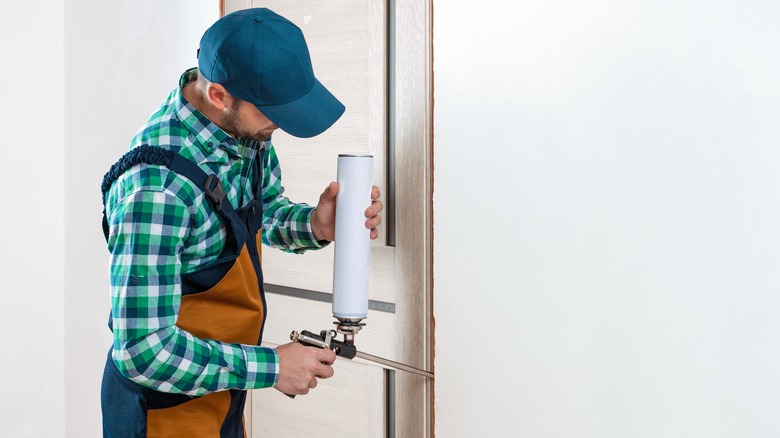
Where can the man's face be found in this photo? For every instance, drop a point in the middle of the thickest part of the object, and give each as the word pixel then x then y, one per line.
pixel 246 121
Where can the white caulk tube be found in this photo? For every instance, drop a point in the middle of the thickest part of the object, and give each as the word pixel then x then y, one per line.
pixel 351 258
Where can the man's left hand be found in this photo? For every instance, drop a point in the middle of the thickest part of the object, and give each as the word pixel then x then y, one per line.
pixel 323 220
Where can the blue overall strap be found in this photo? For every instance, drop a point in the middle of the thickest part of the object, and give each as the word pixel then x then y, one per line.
pixel 153 155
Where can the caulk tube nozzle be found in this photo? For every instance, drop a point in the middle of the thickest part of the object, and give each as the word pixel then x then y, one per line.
pixel 352 245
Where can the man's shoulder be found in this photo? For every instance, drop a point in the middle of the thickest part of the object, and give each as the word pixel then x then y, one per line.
pixel 146 177
pixel 163 130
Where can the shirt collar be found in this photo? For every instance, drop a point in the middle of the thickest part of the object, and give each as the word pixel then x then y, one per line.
pixel 208 135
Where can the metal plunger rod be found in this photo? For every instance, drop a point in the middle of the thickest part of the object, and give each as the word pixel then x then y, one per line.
pixel 347 350
pixel 393 364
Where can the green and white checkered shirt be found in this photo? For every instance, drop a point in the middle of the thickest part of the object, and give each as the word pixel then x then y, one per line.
pixel 161 226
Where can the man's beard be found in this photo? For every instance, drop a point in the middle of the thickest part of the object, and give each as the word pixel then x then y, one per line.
pixel 232 124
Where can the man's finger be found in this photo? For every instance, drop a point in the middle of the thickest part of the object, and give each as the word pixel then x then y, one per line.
pixel 374 209
pixel 373 222
pixel 324 372
pixel 331 191
pixel 326 356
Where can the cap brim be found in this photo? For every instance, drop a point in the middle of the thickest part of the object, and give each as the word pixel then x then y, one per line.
pixel 307 116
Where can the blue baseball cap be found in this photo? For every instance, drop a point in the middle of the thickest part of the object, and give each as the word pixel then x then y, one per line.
pixel 262 58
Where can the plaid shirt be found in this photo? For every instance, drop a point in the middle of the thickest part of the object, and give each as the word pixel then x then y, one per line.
pixel 161 226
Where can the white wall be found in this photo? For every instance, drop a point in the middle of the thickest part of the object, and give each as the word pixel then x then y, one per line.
pixel 78 80
pixel 31 213
pixel 121 60
pixel 607 218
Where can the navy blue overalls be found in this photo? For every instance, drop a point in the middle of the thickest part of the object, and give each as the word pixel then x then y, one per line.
pixel 223 302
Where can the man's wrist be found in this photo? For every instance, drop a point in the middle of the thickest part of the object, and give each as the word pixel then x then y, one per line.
pixel 315 229
pixel 320 236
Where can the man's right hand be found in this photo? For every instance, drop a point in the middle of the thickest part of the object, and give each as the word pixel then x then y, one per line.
pixel 300 367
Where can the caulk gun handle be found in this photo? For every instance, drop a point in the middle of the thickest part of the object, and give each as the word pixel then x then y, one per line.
pixel 301 338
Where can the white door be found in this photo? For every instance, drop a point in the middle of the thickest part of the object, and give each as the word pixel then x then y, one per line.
pixel 374 55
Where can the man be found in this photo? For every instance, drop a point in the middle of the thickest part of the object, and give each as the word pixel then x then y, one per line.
pixel 185 211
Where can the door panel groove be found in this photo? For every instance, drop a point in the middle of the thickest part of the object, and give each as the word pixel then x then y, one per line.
pixel 313 295
pixel 390 210
pixel 390 403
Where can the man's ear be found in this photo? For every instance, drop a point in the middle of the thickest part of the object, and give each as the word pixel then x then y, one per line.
pixel 218 96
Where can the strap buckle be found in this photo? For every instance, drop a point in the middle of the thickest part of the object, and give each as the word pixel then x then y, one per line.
pixel 215 191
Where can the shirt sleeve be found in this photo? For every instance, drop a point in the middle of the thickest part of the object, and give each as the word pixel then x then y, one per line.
pixel 286 225
pixel 148 229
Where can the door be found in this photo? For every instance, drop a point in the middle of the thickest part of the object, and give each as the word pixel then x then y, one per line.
pixel 375 57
